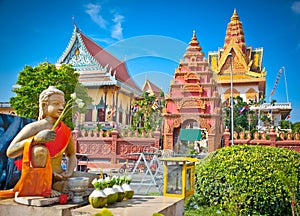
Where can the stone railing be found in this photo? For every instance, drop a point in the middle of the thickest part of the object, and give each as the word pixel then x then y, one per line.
pixel 280 139
pixel 114 145
pixel 267 106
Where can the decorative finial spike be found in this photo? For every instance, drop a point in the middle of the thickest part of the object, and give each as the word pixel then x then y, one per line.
pixel 74 23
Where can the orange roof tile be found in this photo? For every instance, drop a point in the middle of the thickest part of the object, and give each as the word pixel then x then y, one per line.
pixel 104 58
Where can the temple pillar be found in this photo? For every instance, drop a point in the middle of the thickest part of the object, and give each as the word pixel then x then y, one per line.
pixel 168 141
pixel 105 102
pixel 113 105
pixel 117 104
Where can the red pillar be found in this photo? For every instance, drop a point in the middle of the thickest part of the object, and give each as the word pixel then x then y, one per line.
pixel 272 135
pixel 75 134
pixel 157 138
pixel 226 136
pixel 114 135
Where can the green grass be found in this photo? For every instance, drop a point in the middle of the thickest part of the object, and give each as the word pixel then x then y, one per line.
pixel 205 211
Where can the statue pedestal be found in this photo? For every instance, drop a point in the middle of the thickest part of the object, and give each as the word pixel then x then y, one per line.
pixel 9 207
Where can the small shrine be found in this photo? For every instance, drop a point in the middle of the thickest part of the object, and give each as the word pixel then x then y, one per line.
pixel 179 177
pixel 192 103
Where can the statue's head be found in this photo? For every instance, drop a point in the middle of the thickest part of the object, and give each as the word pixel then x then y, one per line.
pixel 44 99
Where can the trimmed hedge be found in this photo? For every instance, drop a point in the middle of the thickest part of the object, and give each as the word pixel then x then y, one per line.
pixel 249 180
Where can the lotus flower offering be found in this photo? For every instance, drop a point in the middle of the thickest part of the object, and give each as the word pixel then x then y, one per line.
pixel 126 187
pixel 111 194
pixel 98 198
pixel 118 188
pixel 110 190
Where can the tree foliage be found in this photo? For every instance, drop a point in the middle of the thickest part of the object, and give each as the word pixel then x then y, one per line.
pixel 245 119
pixel 249 180
pixel 296 127
pixel 148 113
pixel 241 121
pixel 33 80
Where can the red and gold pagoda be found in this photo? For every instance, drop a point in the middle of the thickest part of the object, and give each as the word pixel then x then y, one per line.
pixel 248 75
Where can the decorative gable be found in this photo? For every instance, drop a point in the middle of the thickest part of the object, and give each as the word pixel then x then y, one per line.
pixel 77 55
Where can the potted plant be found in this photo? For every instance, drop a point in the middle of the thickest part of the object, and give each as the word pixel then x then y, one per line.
pixel 98 198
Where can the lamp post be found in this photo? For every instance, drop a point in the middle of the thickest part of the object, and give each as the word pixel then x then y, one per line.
pixel 231 98
pixel 259 110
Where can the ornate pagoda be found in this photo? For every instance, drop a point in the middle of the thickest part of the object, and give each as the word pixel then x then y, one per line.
pixel 106 79
pixel 248 75
pixel 192 103
pixel 245 63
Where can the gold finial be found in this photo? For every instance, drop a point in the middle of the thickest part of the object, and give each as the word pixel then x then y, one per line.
pixel 235 16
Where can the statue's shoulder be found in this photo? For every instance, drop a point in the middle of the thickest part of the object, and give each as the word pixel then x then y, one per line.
pixel 38 125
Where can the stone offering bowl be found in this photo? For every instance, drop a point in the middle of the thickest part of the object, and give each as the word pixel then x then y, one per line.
pixel 78 185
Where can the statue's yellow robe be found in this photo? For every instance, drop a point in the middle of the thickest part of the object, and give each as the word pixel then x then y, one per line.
pixel 38 181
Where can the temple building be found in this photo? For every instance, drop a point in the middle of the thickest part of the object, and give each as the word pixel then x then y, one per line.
pixel 106 78
pixel 193 105
pixel 242 66
pixel 152 89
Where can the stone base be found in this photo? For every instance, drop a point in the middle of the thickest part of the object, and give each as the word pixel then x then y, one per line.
pixel 9 207
pixel 139 205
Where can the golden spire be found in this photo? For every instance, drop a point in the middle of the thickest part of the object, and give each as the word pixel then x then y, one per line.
pixel 235 16
pixel 235 32
pixel 194 44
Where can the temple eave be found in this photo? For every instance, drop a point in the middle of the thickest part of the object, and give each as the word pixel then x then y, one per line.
pixel 248 80
pixel 96 84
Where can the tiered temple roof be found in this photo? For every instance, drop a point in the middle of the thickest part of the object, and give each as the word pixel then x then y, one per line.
pixel 97 67
pixel 193 98
pixel 151 88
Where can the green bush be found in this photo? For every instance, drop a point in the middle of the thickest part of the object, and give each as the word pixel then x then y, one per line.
pixel 249 180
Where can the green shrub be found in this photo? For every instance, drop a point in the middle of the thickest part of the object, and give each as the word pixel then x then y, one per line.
pixel 249 180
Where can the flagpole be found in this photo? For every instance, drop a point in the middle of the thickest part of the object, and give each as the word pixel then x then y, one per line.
pixel 286 88
pixel 231 99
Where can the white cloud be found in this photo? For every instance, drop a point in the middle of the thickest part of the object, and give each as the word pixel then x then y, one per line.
pixel 296 7
pixel 117 30
pixel 93 10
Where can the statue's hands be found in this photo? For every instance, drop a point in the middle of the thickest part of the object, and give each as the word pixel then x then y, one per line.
pixel 62 176
pixel 67 175
pixel 44 136
pixel 59 177
pixel 54 193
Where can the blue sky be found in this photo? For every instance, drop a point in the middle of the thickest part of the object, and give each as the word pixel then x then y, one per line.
pixel 150 35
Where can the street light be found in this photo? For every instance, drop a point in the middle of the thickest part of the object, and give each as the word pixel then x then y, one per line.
pixel 231 98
